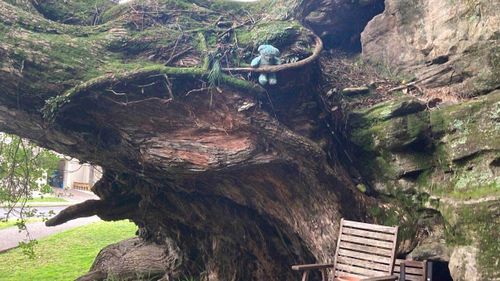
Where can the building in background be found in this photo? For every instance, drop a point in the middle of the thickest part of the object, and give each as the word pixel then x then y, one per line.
pixel 73 174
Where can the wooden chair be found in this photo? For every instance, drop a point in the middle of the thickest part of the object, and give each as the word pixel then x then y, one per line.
pixel 364 252
pixel 411 270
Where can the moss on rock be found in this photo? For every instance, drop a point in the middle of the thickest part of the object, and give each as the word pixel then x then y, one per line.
pixel 451 154
pixel 477 225
pixel 469 128
pixel 276 33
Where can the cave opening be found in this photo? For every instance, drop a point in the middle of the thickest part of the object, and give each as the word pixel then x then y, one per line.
pixel 438 271
pixel 347 36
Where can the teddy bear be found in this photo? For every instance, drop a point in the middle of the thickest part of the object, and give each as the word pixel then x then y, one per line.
pixel 269 55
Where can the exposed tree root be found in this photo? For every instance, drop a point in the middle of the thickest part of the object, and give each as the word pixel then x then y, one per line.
pixel 103 209
pixel 275 68
pixel 85 209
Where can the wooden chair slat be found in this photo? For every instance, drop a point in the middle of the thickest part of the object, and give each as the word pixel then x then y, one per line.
pixel 366 249
pixel 368 234
pixel 363 263
pixel 361 271
pixel 414 278
pixel 409 270
pixel 341 273
pixel 414 270
pixel 410 263
pixel 370 227
pixel 367 241
pixel 363 256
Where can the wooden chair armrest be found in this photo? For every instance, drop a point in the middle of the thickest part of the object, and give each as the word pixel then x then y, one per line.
pixel 306 267
pixel 312 266
pixel 382 278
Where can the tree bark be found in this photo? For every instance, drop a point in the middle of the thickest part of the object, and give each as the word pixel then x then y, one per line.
pixel 242 181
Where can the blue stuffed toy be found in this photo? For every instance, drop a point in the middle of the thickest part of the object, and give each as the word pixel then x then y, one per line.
pixel 269 55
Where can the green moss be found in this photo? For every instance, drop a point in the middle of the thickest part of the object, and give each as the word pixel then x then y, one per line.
pixel 237 7
pixel 384 167
pixel 417 124
pixel 469 184
pixel 131 72
pixel 478 225
pixel 475 192
pixel 74 11
pixel 469 127
pixel 23 4
pixel 363 138
pixel 276 33
pixel 391 134
pixel 385 216
pixel 406 210
pixel 361 187
pixel 151 40
pixel 114 12
pixel 390 109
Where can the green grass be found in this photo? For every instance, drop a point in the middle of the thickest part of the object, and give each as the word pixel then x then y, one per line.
pixel 12 222
pixel 46 199
pixel 66 255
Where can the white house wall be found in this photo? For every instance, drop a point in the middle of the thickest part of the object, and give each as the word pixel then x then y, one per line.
pixel 82 173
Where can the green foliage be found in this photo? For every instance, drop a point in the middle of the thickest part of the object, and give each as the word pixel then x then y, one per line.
pixel 52 105
pixel 22 165
pixel 28 248
pixel 215 74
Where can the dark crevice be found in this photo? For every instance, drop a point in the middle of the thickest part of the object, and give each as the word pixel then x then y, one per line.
pixel 439 271
pixel 421 144
pixel 340 24
pixel 495 163
pixel 413 175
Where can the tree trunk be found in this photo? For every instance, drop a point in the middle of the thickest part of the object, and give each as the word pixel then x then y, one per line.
pixel 231 181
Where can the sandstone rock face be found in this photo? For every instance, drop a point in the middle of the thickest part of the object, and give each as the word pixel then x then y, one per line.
pixel 446 43
pixel 463 264
pixel 400 139
pixel 446 159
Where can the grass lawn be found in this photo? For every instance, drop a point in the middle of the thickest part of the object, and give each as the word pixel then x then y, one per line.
pixel 66 255
pixel 49 199
pixel 12 222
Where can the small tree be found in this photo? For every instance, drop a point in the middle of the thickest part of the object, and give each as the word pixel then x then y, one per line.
pixel 22 165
